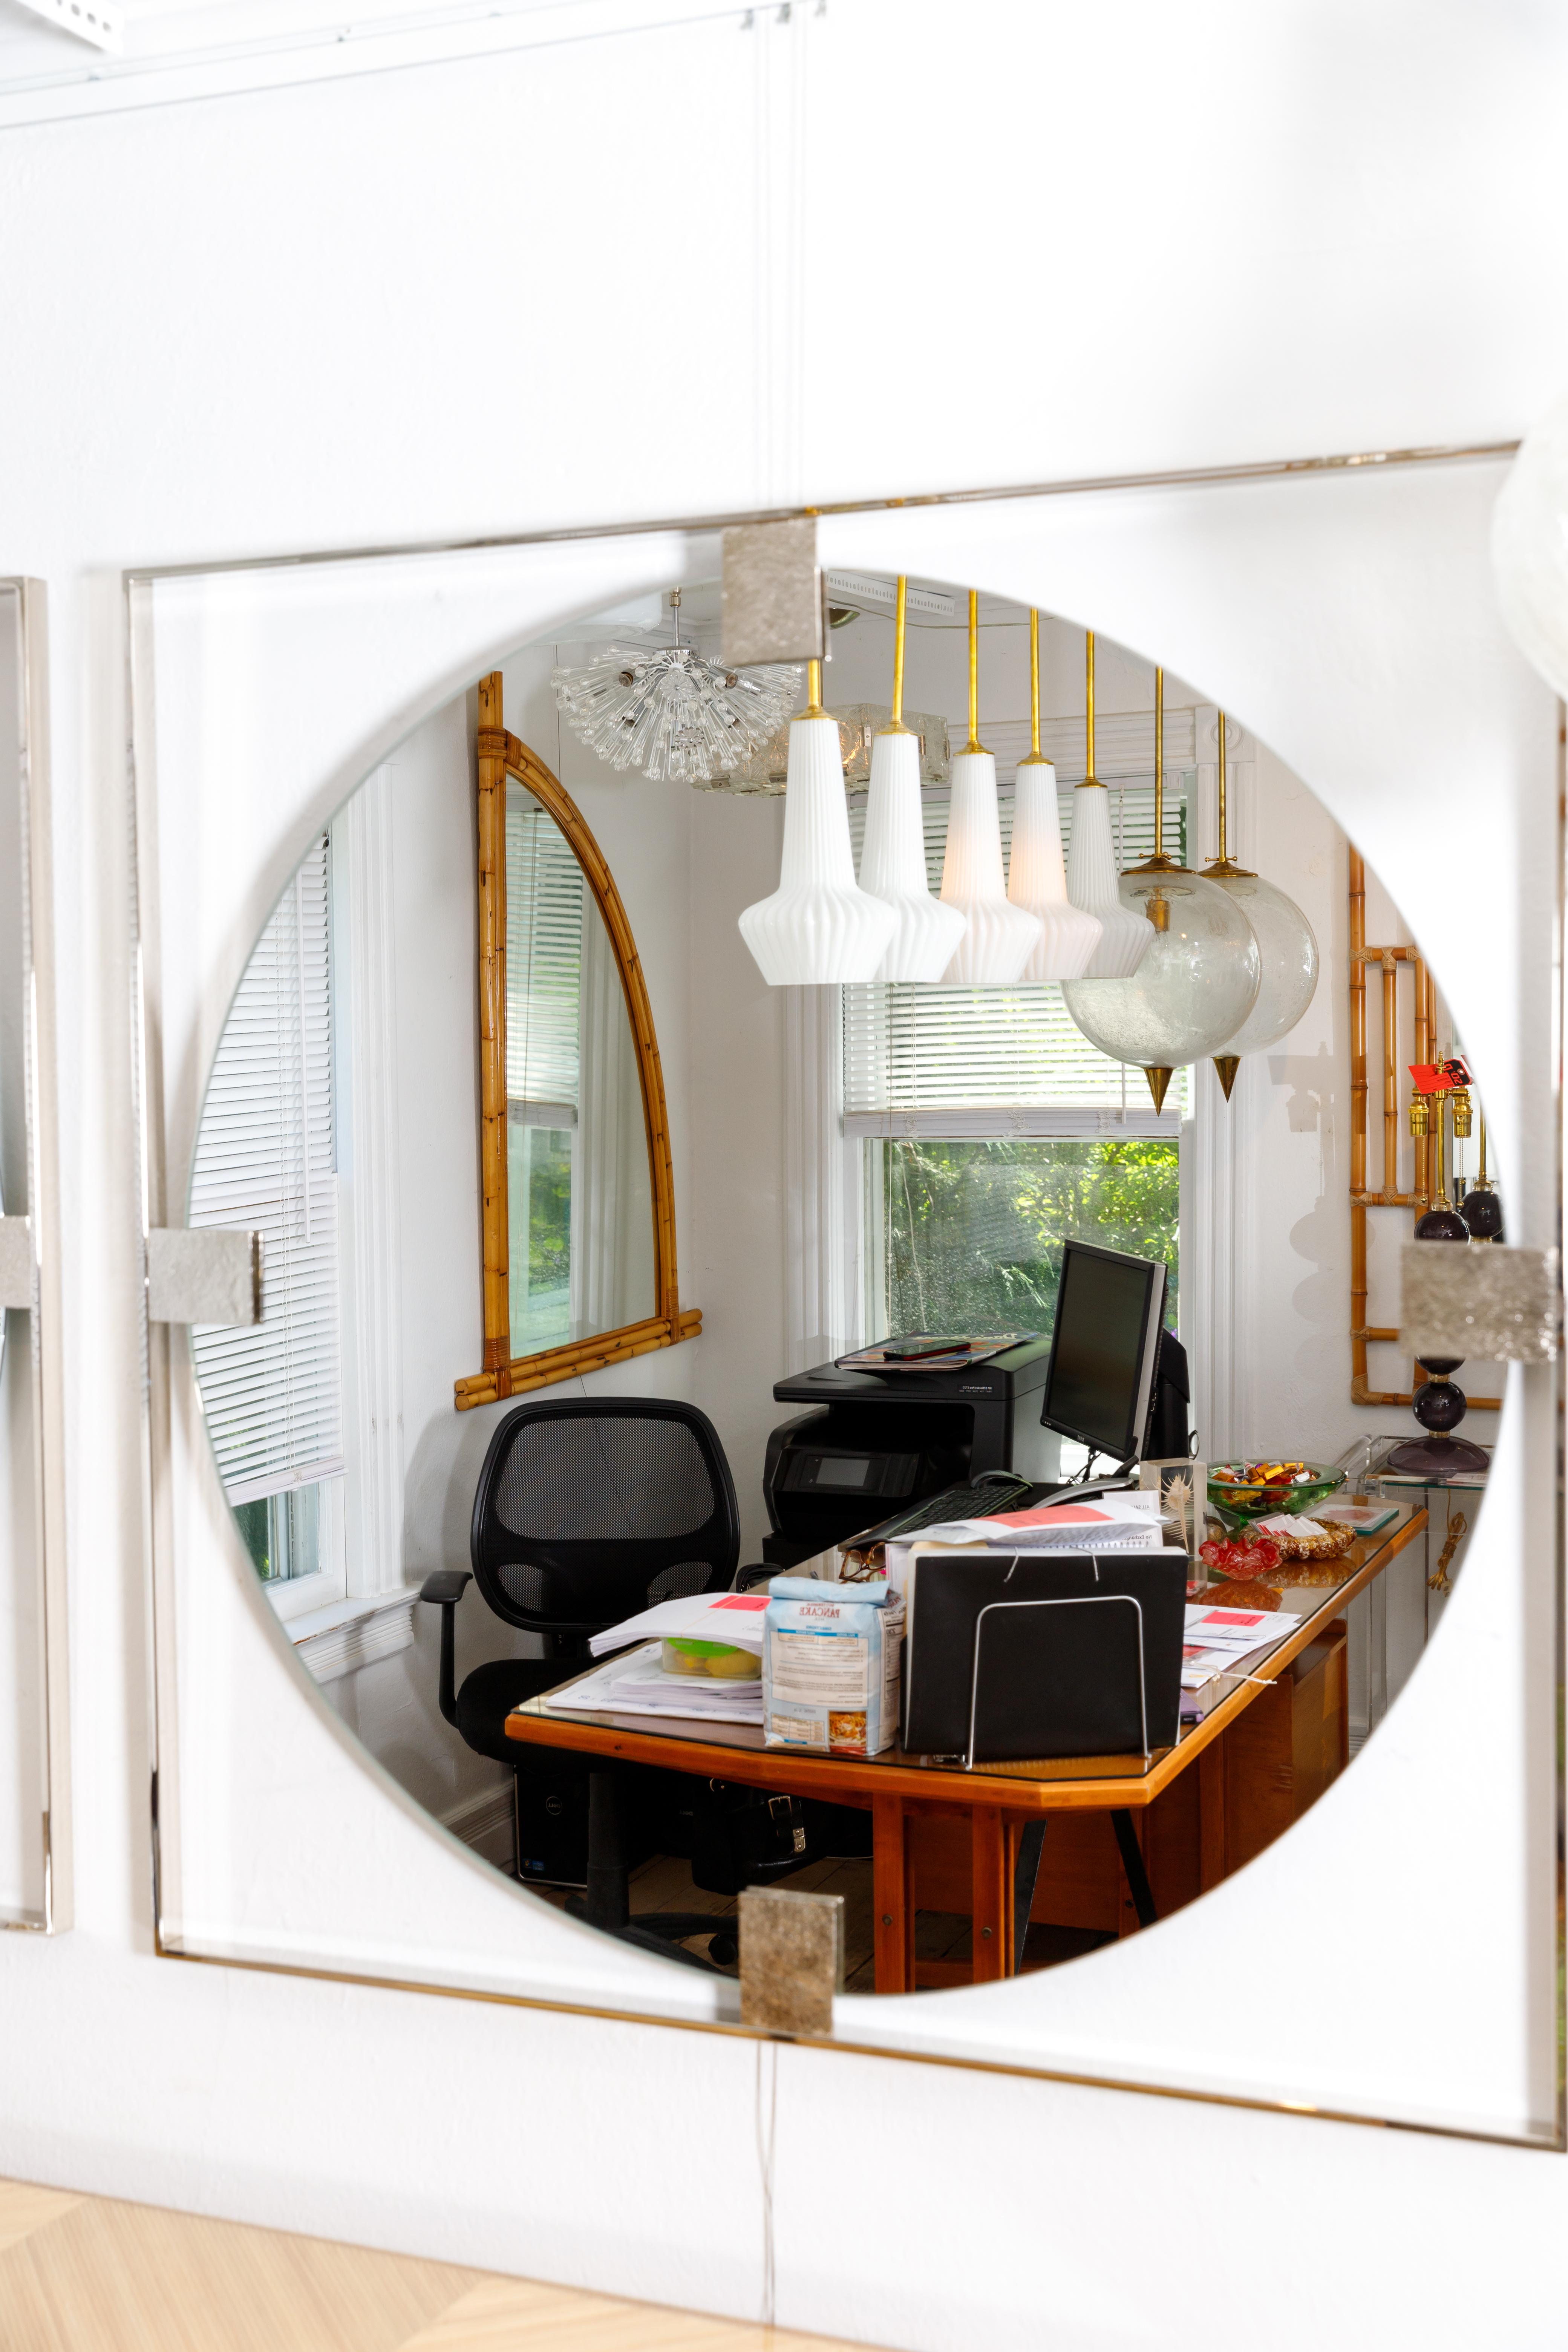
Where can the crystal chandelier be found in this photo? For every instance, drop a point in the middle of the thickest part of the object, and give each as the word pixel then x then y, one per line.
pixel 666 711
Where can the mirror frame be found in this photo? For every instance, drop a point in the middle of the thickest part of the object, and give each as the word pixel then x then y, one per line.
pixel 501 755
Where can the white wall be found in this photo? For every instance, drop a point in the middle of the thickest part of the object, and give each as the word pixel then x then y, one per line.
pixel 428 305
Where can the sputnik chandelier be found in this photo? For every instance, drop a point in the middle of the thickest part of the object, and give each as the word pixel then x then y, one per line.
pixel 667 711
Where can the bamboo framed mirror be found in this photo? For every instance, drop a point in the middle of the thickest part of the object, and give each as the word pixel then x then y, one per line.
pixel 578 1202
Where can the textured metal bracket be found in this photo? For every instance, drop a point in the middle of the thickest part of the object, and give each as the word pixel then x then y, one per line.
pixel 1483 1300
pixel 773 604
pixel 204 1275
pixel 792 1959
pixel 15 1262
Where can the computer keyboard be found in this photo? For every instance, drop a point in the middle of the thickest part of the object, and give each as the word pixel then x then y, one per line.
pixel 996 1490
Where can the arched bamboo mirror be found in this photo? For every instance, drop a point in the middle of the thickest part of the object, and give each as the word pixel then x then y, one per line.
pixel 578 1200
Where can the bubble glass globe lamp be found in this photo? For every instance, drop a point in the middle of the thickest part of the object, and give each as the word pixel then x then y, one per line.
pixel 1198 978
pixel 1287 947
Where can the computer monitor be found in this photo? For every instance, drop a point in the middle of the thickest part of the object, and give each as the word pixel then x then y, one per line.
pixel 1110 1309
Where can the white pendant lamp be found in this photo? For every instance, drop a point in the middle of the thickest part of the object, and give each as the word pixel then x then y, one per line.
pixel 819 925
pixel 1000 937
pixel 1198 979
pixel 893 857
pixel 1091 862
pixel 1287 946
pixel 1037 877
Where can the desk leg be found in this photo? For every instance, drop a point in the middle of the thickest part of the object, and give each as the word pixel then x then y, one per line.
pixel 1132 1863
pixel 891 1908
pixel 992 1908
pixel 1210 1815
pixel 1029 1843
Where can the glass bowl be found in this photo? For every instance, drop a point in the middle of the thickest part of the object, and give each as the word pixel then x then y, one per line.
pixel 1237 1498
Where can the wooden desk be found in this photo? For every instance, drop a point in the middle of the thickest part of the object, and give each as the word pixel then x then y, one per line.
pixel 992 1807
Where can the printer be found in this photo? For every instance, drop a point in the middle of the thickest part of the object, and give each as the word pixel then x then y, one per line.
pixel 868 1440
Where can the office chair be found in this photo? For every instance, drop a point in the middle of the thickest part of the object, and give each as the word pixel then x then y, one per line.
pixel 587 1511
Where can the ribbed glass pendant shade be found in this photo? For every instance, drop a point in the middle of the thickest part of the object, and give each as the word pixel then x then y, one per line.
pixel 1125 936
pixel 1288 949
pixel 926 933
pixel 1000 937
pixel 1195 982
pixel 818 926
pixel 1036 878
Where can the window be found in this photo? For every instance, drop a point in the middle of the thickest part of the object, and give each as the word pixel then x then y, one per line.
pixel 992 1131
pixel 267 1158
pixel 543 1000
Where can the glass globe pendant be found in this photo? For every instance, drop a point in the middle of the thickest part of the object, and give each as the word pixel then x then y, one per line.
pixel 1091 862
pixel 893 855
pixel 1198 979
pixel 1037 877
pixel 1001 938
pixel 819 925
pixel 1286 945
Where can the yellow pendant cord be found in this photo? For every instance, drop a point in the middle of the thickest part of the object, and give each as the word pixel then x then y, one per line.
pixel 1090 780
pixel 897 726
pixel 973 744
pixel 1033 686
pixel 1159 763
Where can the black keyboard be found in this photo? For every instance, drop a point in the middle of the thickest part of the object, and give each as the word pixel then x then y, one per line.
pixel 997 1490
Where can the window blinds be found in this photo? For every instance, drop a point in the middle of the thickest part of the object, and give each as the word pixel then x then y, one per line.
pixel 266 1158
pixel 989 1061
pixel 543 968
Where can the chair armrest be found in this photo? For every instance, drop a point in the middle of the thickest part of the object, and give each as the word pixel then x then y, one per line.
pixel 755 1573
pixel 445 1585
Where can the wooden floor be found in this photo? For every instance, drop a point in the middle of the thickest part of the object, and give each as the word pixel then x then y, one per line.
pixel 90 2275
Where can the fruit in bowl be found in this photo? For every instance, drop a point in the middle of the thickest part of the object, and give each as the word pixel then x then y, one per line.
pixel 1241 1491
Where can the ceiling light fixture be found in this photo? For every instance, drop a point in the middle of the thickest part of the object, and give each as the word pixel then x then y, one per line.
pixel 818 926
pixel 1287 946
pixel 666 711
pixel 893 858
pixel 1001 938
pixel 1036 876
pixel 1124 939
pixel 1198 977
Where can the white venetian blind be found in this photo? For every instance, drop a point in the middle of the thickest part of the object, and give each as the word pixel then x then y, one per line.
pixel 980 1061
pixel 266 1158
pixel 543 968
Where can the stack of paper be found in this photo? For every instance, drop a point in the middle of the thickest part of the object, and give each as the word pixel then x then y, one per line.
pixel 1126 1522
pixel 1219 1647
pixel 637 1685
pixel 735 1618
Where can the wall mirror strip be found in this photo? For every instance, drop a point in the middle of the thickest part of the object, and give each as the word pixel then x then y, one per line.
pixel 396 1596
pixel 35 1783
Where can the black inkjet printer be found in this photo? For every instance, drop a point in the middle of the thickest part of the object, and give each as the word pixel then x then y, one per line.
pixel 872 1439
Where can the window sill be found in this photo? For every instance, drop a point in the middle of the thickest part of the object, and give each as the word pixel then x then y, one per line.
pixel 351 1633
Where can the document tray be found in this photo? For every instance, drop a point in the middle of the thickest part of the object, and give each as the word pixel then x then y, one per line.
pixel 1014 1654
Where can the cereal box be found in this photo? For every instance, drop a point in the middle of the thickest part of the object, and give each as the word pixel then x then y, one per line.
pixel 832 1655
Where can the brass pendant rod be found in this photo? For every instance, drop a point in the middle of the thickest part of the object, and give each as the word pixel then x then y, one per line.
pixel 898 725
pixel 1159 762
pixel 813 691
pixel 974 743
pixel 1481 1151
pixel 1033 686
pixel 1224 852
pixel 1088 775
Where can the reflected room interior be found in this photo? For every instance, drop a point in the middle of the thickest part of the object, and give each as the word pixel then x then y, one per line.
pixel 595 1097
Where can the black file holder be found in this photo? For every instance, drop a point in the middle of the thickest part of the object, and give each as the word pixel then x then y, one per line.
pixel 1029 1654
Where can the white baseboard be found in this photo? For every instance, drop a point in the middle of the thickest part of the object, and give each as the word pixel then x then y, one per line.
pixel 481 1817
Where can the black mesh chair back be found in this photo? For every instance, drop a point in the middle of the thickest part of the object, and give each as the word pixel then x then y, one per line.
pixel 585 1510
